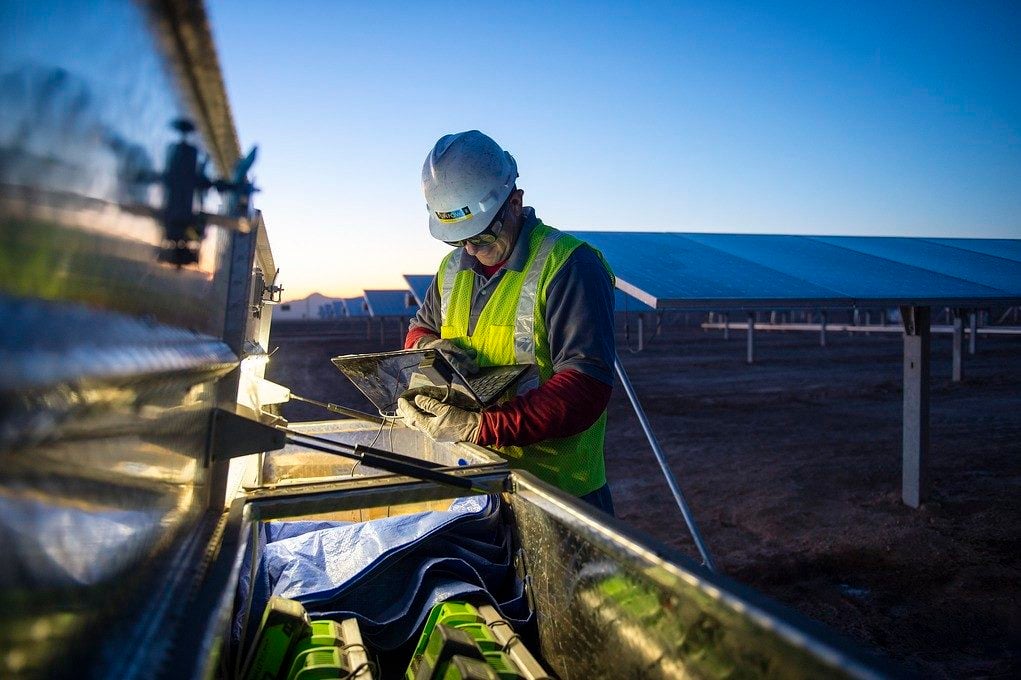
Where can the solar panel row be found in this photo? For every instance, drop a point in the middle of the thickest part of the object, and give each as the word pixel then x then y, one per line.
pixel 715 271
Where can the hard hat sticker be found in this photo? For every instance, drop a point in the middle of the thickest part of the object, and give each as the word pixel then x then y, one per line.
pixel 454 215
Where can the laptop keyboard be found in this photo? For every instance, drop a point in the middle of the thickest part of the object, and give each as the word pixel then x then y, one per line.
pixel 489 386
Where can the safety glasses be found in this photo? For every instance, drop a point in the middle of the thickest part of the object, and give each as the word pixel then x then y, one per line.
pixel 488 235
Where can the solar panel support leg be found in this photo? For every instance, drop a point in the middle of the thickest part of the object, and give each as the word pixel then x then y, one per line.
pixel 751 337
pixel 822 328
pixel 958 366
pixel 671 481
pixel 726 326
pixel 641 332
pixel 973 329
pixel 916 403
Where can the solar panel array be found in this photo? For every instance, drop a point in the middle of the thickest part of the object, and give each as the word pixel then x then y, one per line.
pixel 718 271
pixel 389 303
pixel 355 306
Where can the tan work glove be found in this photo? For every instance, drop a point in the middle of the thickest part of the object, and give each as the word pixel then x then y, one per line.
pixel 463 359
pixel 441 422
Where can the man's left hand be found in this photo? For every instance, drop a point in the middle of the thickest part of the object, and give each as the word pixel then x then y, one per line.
pixel 441 422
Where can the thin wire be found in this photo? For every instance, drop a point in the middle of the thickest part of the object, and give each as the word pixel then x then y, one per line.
pixel 363 666
pixel 378 432
pixel 512 638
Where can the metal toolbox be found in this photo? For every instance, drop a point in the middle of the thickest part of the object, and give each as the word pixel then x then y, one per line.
pixel 135 304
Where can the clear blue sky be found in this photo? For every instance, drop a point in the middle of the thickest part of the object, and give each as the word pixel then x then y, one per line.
pixel 819 117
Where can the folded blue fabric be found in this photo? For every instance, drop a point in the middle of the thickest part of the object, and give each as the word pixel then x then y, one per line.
pixel 388 573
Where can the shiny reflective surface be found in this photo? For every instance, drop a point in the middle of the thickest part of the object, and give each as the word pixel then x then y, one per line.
pixel 87 103
pixel 610 605
pixel 295 464
pixel 110 358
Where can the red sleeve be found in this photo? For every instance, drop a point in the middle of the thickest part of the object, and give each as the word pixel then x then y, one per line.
pixel 416 333
pixel 566 404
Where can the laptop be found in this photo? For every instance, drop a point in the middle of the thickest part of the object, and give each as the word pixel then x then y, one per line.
pixel 384 376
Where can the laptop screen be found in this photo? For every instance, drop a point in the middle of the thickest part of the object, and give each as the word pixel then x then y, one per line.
pixel 384 376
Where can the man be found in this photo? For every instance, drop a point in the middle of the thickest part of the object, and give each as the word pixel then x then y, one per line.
pixel 515 290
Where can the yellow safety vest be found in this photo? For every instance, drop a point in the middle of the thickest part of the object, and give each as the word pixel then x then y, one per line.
pixel 512 330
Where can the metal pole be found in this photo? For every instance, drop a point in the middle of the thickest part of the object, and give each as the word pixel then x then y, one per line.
pixel 751 337
pixel 641 332
pixel 822 328
pixel 958 360
pixel 726 326
pixel 916 404
pixel 671 481
pixel 973 327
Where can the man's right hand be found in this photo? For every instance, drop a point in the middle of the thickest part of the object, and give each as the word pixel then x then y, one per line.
pixel 459 357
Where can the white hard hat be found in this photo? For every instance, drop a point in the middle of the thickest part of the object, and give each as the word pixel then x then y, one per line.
pixel 465 179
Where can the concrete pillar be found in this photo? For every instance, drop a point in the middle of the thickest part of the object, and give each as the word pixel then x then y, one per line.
pixel 915 453
pixel 726 326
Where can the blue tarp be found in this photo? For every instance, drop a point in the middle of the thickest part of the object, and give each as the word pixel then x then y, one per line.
pixel 388 573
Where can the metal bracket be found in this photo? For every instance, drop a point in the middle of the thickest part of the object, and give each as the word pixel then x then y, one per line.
pixel 907 317
pixel 232 435
pixel 185 183
pixel 263 294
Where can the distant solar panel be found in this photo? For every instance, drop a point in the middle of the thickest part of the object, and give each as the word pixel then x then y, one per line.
pixel 419 285
pixel 707 271
pixel 389 303
pixel 355 306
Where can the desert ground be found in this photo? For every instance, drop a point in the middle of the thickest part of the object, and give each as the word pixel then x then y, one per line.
pixel 792 469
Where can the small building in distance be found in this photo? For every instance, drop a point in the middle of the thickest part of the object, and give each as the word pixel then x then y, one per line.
pixel 315 306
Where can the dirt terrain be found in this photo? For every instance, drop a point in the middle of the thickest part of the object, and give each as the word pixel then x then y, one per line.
pixel 792 468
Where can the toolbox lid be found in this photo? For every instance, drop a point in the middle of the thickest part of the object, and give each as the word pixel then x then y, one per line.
pixel 296 464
